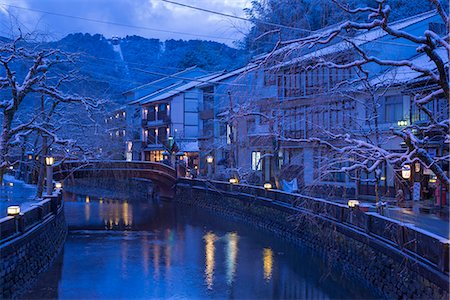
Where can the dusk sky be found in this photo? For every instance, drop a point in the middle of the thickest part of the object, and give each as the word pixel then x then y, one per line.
pixel 46 15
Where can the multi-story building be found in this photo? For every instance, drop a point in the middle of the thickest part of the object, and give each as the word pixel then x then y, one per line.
pixel 117 133
pixel 279 108
pixel 142 137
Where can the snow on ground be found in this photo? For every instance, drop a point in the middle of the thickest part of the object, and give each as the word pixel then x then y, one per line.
pixel 15 192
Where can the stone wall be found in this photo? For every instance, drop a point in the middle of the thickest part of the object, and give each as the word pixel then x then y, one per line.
pixel 108 187
pixel 388 271
pixel 31 250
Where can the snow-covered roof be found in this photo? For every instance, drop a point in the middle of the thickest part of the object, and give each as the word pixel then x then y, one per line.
pixel 397 75
pixel 174 90
pixel 158 92
pixel 249 67
pixel 360 39
pixel 161 79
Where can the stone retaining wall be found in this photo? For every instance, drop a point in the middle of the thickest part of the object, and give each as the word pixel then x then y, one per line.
pixel 358 256
pixel 107 187
pixel 31 246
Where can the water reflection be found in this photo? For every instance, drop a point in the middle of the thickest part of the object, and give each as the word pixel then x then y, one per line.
pixel 210 238
pixel 114 214
pixel 267 263
pixel 231 252
pixel 165 251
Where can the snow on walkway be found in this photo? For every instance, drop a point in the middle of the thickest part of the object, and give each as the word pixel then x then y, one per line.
pixel 15 192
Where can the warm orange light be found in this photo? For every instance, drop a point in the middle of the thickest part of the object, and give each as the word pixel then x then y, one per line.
pixel 267 263
pixel 49 160
pixel 234 180
pixel 267 185
pixel 353 203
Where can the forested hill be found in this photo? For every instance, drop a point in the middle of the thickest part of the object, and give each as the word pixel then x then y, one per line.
pixel 111 66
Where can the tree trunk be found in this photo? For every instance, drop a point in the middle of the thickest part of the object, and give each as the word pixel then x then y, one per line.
pixel 41 174
pixel 4 139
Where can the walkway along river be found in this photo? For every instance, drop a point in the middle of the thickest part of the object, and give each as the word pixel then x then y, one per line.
pixel 128 248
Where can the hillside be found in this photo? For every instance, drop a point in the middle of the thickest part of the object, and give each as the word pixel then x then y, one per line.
pixel 111 66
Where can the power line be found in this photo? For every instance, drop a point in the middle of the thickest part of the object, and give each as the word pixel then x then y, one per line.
pixel 274 24
pixel 236 17
pixel 191 34
pixel 116 23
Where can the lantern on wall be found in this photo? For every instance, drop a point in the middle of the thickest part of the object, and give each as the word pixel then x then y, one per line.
pixel 353 203
pixel 13 210
pixel 267 185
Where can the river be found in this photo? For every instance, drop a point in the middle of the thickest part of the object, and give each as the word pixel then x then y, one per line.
pixel 132 249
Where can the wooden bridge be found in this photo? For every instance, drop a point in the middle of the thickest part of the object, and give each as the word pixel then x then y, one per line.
pixel 163 176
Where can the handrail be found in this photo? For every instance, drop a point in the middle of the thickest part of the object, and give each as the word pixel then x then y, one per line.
pixel 421 244
pixel 15 226
pixel 115 165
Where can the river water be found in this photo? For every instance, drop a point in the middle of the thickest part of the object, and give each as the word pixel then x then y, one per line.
pixel 135 249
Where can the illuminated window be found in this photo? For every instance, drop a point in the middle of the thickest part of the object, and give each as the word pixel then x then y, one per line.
pixel 156 156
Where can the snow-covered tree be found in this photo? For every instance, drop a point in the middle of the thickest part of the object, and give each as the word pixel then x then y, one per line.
pixel 29 74
pixel 430 64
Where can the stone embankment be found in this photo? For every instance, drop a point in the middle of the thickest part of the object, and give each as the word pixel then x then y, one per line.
pixel 395 259
pixel 29 243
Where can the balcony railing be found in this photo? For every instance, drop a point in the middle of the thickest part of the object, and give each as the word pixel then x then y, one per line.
pixel 162 120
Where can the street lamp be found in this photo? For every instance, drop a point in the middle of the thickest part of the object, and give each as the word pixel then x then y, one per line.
pixel 234 180
pixel 49 161
pixel 209 160
pixel 30 155
pixel 166 155
pixel 406 171
pixel 353 203
pixel 267 186
pixel 180 157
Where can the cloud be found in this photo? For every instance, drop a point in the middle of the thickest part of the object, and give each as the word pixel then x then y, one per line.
pixel 178 22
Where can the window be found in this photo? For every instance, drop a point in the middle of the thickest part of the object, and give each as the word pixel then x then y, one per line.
pixel 269 78
pixel 393 108
pixel 229 134
pixel 151 113
pixel 162 111
pixel 156 156
pixel 256 164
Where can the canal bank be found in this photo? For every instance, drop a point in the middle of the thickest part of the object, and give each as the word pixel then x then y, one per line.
pixel 30 242
pixel 300 248
pixel 139 249
pixel 386 256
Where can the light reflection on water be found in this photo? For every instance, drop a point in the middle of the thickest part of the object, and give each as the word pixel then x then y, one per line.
pixel 210 238
pixel 135 249
pixel 231 250
pixel 267 263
